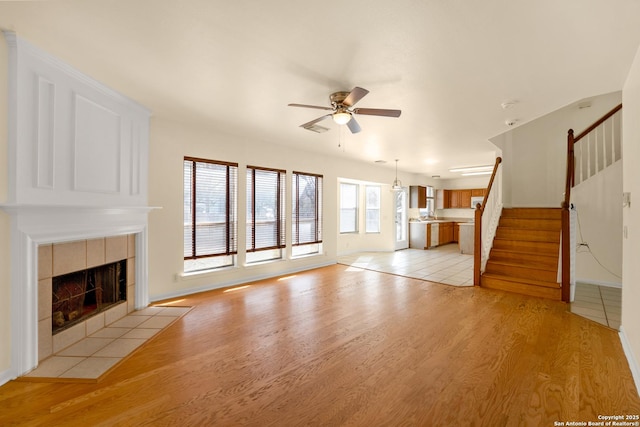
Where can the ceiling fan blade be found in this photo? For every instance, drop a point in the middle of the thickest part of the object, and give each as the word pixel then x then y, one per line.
pixel 377 112
pixel 313 122
pixel 310 106
pixel 354 96
pixel 353 126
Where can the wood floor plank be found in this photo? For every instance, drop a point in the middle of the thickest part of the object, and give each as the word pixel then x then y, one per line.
pixel 341 346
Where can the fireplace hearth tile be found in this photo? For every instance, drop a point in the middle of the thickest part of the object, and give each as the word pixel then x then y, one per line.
pixel 94 323
pixel 158 322
pixel 129 321
pixel 86 347
pixel 121 347
pixel 105 348
pixel 67 337
pixel 141 333
pixel 55 366
pixel 149 311
pixel 92 367
pixel 110 332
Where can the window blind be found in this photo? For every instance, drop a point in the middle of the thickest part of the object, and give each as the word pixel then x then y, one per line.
pixel 210 208
pixel 306 209
pixel 265 208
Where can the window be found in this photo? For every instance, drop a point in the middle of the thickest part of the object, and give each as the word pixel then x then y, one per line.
pixel 431 202
pixel 210 213
pixel 348 208
pixel 372 206
pixel 306 235
pixel 265 213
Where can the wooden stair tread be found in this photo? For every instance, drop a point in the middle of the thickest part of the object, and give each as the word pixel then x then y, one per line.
pixel 547 254
pixel 537 213
pixel 521 265
pixel 531 282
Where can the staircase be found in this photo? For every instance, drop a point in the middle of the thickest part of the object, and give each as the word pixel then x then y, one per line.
pixel 524 257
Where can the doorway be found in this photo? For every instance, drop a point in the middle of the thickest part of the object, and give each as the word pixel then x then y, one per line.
pixel 401 216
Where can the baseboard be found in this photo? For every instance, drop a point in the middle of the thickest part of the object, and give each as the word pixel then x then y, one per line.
pixel 6 376
pixel 244 280
pixel 631 359
pixel 599 283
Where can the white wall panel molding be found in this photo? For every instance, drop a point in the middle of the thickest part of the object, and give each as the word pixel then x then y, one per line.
pixel 72 140
pixel 45 137
pixel 97 145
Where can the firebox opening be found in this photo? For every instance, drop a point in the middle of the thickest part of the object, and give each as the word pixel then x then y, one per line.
pixel 82 294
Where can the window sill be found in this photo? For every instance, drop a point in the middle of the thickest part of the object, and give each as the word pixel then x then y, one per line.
pixel 187 275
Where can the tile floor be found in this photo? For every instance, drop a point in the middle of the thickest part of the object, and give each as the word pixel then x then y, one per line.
pixel 444 264
pixel 93 356
pixel 599 303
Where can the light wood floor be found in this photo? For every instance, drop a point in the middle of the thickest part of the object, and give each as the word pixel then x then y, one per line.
pixel 335 347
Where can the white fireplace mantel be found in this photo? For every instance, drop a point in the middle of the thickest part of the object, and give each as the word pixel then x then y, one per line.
pixel 32 226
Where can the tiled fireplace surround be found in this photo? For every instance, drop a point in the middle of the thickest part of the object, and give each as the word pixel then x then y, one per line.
pixel 62 258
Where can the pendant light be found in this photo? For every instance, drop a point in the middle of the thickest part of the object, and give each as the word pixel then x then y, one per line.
pixel 397 184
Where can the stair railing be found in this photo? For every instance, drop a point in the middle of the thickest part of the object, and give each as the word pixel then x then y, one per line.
pixel 487 216
pixel 600 149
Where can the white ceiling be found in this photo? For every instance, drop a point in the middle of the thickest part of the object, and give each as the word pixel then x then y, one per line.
pixel 447 64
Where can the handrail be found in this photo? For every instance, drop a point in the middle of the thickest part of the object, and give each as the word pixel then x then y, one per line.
pixel 566 203
pixel 493 176
pixel 598 123
pixel 477 240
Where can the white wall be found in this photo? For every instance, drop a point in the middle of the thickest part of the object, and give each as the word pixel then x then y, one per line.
pixel 631 218
pixel 171 141
pixel 5 226
pixel 598 202
pixel 535 154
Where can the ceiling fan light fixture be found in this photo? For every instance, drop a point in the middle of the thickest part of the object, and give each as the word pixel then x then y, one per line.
pixel 341 117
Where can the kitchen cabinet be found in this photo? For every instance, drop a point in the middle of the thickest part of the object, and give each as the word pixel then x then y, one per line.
pixel 465 198
pixel 461 199
pixel 417 196
pixel 443 199
pixel 454 199
pixel 445 233
pixel 456 232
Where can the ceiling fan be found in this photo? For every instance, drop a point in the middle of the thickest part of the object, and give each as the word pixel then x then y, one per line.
pixel 342 110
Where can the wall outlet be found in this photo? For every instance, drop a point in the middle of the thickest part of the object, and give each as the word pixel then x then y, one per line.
pixel 626 199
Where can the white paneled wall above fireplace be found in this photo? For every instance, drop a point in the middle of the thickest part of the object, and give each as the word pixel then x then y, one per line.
pixel 72 140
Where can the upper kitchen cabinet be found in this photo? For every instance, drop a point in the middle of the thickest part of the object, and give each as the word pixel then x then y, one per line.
pixel 457 199
pixel 417 196
pixel 443 199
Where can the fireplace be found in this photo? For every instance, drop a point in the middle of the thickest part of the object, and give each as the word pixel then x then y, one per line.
pixel 79 295
pixel 76 191
pixel 83 286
